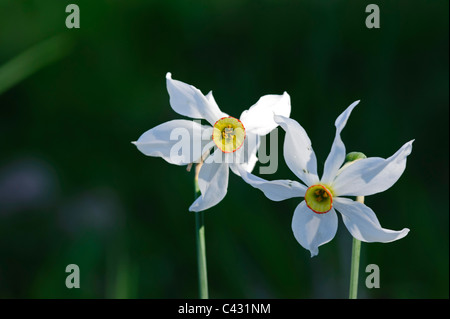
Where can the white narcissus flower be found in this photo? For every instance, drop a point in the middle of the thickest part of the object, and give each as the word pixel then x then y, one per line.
pixel 234 141
pixel 315 220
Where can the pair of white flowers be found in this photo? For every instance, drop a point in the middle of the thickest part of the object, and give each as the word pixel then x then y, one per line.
pixel 315 219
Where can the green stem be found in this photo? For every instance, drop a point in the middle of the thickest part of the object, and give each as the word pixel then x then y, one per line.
pixel 354 270
pixel 33 59
pixel 200 241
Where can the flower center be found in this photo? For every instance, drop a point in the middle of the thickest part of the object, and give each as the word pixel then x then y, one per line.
pixel 228 134
pixel 319 199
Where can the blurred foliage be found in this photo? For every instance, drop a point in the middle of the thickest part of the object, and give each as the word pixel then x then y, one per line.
pixel 73 189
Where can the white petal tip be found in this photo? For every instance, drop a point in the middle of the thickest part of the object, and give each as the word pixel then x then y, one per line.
pixel 410 143
pixel 408 147
pixel 278 118
pixel 355 104
pixel 194 208
pixel 402 234
pixel 169 76
pixel 134 142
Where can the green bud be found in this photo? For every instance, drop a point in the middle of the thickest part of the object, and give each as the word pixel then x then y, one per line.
pixel 353 156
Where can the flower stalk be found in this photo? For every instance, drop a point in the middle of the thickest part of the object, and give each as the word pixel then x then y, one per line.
pixel 200 242
pixel 354 270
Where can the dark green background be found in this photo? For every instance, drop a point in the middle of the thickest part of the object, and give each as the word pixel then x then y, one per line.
pixel 73 189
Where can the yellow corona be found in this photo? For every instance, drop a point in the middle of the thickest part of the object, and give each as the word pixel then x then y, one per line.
pixel 319 198
pixel 228 134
